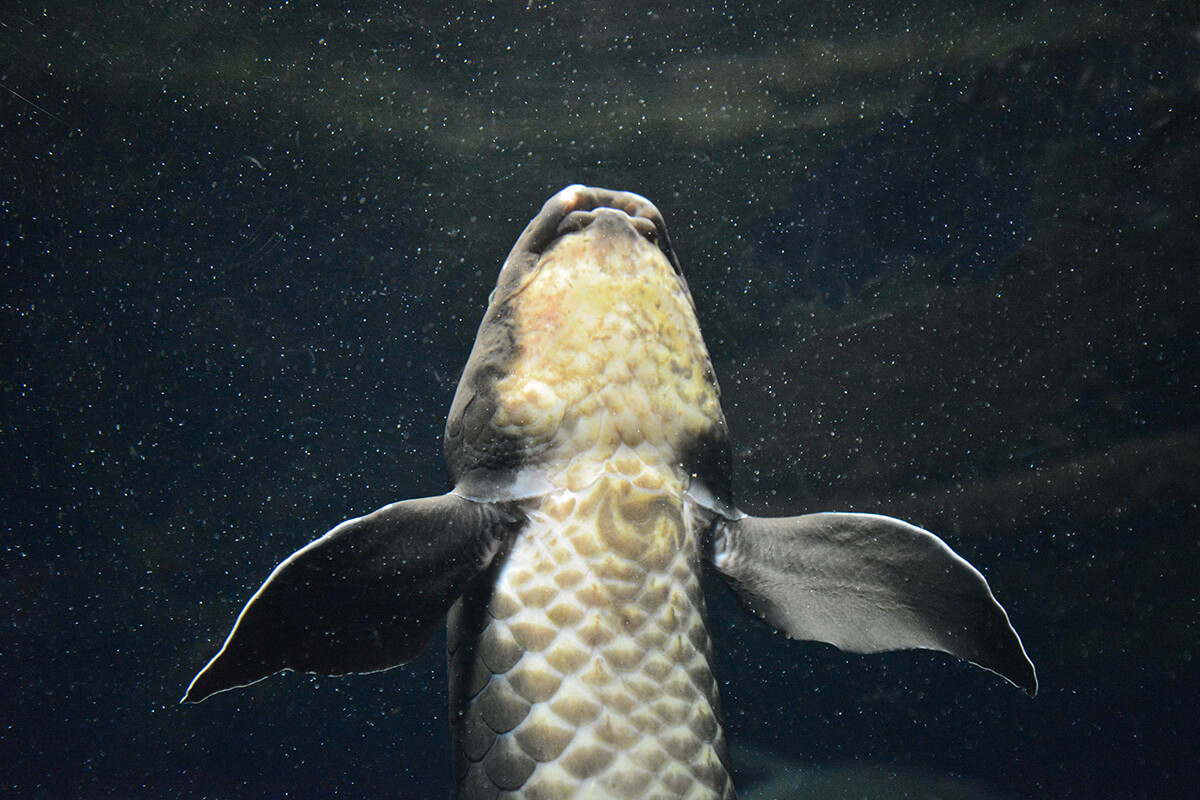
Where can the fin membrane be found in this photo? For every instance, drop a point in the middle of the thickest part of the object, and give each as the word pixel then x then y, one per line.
pixel 867 583
pixel 364 597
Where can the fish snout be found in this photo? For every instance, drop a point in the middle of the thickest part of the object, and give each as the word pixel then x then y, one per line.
pixel 578 207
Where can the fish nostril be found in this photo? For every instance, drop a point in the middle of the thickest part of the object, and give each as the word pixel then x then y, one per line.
pixel 646 228
pixel 578 220
pixel 575 221
pixel 647 225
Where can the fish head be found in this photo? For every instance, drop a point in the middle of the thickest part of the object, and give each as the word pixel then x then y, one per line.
pixel 589 347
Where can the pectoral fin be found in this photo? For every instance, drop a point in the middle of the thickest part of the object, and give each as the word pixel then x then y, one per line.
pixel 362 598
pixel 868 583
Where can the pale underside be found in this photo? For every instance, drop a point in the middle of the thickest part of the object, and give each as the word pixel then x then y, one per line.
pixel 589 675
pixel 592 675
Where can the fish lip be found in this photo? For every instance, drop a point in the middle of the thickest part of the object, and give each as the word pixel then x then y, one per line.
pixel 572 209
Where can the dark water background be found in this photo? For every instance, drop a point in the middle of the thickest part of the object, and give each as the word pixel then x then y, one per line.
pixel 946 259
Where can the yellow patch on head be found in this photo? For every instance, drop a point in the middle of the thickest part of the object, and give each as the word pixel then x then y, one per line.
pixel 608 353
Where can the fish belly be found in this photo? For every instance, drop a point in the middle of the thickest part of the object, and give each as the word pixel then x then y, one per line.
pixel 582 666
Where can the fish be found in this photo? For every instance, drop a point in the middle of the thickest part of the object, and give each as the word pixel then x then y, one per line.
pixel 591 470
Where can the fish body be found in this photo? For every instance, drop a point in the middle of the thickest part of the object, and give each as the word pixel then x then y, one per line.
pixel 591 465
pixel 583 666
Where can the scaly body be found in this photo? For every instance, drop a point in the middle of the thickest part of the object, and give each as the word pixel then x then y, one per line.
pixel 589 673
pixel 592 471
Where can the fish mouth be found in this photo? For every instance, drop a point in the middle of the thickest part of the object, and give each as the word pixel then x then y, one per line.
pixel 578 207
